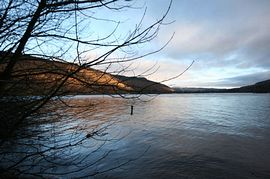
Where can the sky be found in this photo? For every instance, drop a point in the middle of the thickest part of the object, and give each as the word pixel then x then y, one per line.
pixel 228 40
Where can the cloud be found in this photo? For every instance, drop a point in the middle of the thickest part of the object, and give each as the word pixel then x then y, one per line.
pixel 229 40
pixel 219 28
pixel 251 41
pixel 201 39
pixel 243 80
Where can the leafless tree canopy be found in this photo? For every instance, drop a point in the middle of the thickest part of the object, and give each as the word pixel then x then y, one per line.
pixel 43 56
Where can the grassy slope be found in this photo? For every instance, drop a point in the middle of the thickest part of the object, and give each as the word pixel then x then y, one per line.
pixel 36 76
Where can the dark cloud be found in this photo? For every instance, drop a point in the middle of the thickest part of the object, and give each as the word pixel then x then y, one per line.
pixel 250 78
pixel 241 80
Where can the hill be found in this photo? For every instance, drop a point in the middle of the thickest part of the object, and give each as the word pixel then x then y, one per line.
pixel 142 85
pixel 260 87
pixel 37 76
pixel 197 90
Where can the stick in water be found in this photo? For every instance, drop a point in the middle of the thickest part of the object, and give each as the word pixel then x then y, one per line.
pixel 131 110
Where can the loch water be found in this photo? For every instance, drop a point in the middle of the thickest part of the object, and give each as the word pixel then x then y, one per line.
pixel 189 136
pixel 200 136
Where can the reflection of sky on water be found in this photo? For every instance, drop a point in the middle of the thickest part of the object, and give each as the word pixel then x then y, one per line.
pixel 201 135
pixel 187 135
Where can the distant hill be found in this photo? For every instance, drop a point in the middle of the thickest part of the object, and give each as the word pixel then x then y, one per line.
pixel 142 85
pixel 197 90
pixel 37 76
pixel 260 87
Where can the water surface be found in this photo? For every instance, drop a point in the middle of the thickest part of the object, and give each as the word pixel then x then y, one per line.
pixel 171 136
pixel 194 136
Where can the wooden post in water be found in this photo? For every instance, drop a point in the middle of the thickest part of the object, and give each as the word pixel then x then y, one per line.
pixel 131 110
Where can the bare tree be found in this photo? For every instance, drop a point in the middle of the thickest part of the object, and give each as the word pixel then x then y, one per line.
pixel 43 58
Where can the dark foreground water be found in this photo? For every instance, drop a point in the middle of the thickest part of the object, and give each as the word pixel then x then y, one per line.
pixel 192 136
pixel 172 136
